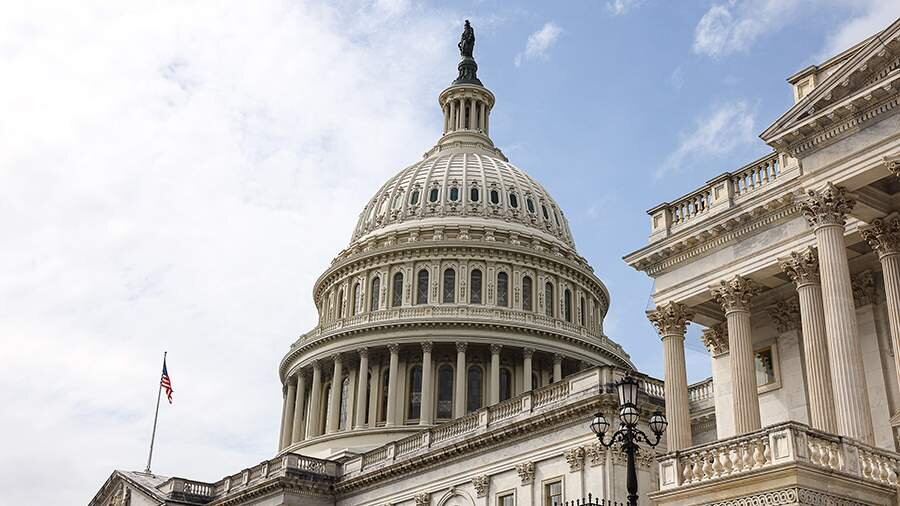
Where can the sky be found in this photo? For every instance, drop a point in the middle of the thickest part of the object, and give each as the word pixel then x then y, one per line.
pixel 175 175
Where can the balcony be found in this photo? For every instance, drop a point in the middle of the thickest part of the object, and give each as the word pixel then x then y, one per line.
pixel 790 460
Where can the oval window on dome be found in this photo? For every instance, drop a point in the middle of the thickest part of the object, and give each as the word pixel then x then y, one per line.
pixel 513 201
pixel 474 195
pixel 454 194
pixel 495 197
pixel 414 198
pixel 433 195
pixel 529 204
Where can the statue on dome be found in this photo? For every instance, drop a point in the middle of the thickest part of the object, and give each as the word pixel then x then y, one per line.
pixel 467 41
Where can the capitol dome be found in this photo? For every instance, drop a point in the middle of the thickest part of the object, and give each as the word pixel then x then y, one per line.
pixel 461 288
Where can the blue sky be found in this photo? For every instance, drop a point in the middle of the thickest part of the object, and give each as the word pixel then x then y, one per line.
pixel 174 176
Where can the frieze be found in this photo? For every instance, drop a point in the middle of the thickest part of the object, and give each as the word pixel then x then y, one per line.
pixel 789 497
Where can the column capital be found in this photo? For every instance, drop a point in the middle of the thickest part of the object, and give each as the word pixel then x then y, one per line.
pixel 427 347
pixel 337 357
pixel 461 346
pixel 883 235
pixel 316 364
pixel 893 164
pixel 785 314
pixel 363 352
pixel 828 206
pixel 802 266
pixel 394 348
pixel 670 318
pixel 716 339
pixel 557 358
pixel 527 352
pixel 735 294
pixel 495 349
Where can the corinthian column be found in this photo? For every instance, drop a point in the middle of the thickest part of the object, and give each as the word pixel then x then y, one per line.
pixel 671 321
pixel 315 402
pixel 495 373
pixel 426 404
pixel 734 296
pixel 459 406
pixel 299 414
pixel 526 368
pixel 362 388
pixel 884 237
pixel 826 212
pixel 287 419
pixel 334 401
pixel 393 372
pixel 803 269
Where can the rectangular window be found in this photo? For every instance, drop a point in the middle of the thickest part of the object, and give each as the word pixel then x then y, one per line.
pixel 765 367
pixel 553 495
pixel 506 500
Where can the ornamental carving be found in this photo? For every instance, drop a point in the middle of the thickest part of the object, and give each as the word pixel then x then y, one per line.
pixel 393 348
pixel 481 484
pixel 427 347
pixel 575 458
pixel 121 498
pixel 596 454
pixel 883 235
pixel 461 347
pixel 423 499
pixel 828 206
pixel 525 470
pixel 670 318
pixel 735 294
pixel 716 339
pixel 893 164
pixel 495 349
pixel 785 314
pixel 864 291
pixel 527 352
pixel 789 497
pixel 802 266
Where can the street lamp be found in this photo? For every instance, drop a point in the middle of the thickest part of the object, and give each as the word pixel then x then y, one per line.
pixel 628 434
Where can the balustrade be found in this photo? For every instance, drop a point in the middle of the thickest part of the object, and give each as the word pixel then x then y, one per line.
pixel 688 208
pixel 701 391
pixel 755 176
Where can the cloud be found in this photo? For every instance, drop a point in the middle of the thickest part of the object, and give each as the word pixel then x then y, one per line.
pixel 723 129
pixel 164 171
pixel 539 43
pixel 620 7
pixel 871 17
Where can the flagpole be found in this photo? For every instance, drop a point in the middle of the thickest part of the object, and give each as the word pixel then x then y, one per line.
pixel 155 417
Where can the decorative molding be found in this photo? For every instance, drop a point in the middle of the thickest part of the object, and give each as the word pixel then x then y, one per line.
pixel 670 318
pixel 393 348
pixel 575 458
pixel 527 352
pixel 596 454
pixel 716 339
pixel 893 164
pixel 525 470
pixel 789 497
pixel 785 314
pixel 427 347
pixel 735 294
pixel 496 348
pixel 461 346
pixel 481 484
pixel 363 352
pixel 422 499
pixel 883 235
pixel 802 266
pixel 864 290
pixel 828 206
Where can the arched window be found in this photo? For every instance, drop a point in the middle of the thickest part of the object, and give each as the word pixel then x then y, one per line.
pixel 454 194
pixel 544 211
pixel 506 386
pixel 323 416
pixel 445 392
pixel 513 201
pixel 422 287
pixel 340 304
pixel 368 393
pixel 449 286
pixel 414 410
pixel 357 300
pixel 474 194
pixel 530 205
pixel 475 287
pixel 345 403
pixel 549 303
pixel 385 379
pixel 433 195
pixel 581 310
pixel 473 396
pixel 503 289
pixel 495 197
pixel 397 291
pixel 374 296
pixel 527 297
pixel 567 304
pixel 414 197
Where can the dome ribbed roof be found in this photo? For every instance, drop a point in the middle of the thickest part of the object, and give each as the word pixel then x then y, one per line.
pixel 463 188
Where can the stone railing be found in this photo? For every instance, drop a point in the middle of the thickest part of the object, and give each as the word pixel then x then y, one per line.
pixel 719 194
pixel 653 387
pixel 788 443
pixel 701 391
pixel 281 466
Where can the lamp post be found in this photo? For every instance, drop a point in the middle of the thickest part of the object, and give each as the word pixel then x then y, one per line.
pixel 628 434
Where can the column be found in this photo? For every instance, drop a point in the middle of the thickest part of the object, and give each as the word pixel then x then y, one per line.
pixel 526 368
pixel 426 416
pixel 495 373
pixel 481 114
pixel 671 321
pixel 459 404
pixel 826 212
pixel 289 414
pixel 734 296
pixel 299 412
pixel 362 391
pixel 803 269
pixel 334 401
pixel 284 420
pixel 460 113
pixel 315 402
pixel 883 236
pixel 452 119
pixel 446 117
pixel 391 415
pixel 557 367
pixel 472 114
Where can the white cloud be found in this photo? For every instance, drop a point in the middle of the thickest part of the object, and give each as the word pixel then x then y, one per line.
pixel 619 7
pixel 872 16
pixel 164 174
pixel 723 129
pixel 539 43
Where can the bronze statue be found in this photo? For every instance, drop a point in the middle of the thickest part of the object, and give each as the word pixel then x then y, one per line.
pixel 467 41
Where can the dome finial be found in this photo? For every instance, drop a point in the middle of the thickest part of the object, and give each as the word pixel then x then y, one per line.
pixel 467 66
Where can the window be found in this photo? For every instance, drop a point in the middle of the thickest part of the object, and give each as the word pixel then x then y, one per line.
pixel 368 393
pixel 454 194
pixel 422 287
pixel 415 393
pixel 527 298
pixel 505 384
pixel 503 289
pixel 449 286
pixel 513 201
pixel 445 392
pixel 357 299
pixel 581 311
pixel 506 500
pixel 414 197
pixel 398 199
pixel 544 210
pixel 345 400
pixel 385 379
pixel 765 367
pixel 473 396
pixel 475 287
pixel 397 291
pixel 556 217
pixel 376 290
pixel 548 300
pixel 474 194
pixel 433 195
pixel 495 197
pixel 567 305
pixel 340 304
pixel 553 495
pixel 530 205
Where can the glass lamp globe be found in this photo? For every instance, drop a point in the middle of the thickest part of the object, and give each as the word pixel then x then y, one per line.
pixel 599 425
pixel 658 423
pixel 629 415
pixel 628 390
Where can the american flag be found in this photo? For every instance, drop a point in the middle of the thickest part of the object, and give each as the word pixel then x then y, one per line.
pixel 166 383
